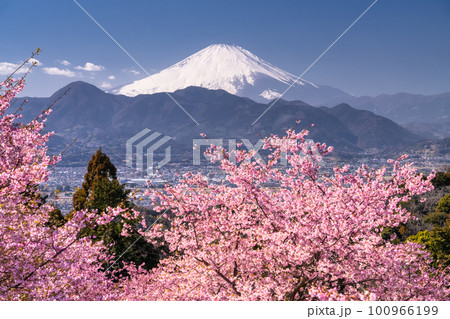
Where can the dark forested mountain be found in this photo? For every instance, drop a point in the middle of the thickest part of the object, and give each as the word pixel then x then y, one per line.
pixel 370 129
pixel 97 118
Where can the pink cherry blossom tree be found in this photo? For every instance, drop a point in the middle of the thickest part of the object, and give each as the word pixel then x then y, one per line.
pixel 38 261
pixel 313 237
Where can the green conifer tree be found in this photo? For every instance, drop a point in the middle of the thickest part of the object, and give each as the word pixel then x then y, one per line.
pixel 100 190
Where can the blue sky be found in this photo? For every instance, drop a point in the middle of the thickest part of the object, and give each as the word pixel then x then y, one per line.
pixel 398 46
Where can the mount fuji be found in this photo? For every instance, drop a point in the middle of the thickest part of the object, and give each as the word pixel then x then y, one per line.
pixel 235 70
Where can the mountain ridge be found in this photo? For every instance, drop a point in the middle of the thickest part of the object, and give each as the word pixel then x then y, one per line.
pixel 364 124
pixel 97 118
pixel 403 107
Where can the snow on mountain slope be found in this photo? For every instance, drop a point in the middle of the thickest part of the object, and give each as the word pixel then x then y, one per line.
pixel 219 66
pixel 270 94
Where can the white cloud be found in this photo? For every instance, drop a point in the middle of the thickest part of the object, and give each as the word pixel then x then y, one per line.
pixel 65 62
pixel 105 85
pixel 6 68
pixel 90 67
pixel 35 61
pixel 133 71
pixel 57 71
pixel 111 77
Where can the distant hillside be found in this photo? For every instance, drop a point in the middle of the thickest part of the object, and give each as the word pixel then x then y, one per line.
pixel 97 118
pixel 403 108
pixel 429 148
pixel 372 131
pixel 437 130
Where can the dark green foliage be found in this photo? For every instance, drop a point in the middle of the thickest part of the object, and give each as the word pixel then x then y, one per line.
pixel 151 216
pixel 101 190
pixel 420 210
pixel 101 187
pixel 55 218
pixel 436 218
pixel 131 248
pixel 444 204
pixel 107 193
pixel 437 242
pixel 441 179
pixel 432 224
pixel 399 232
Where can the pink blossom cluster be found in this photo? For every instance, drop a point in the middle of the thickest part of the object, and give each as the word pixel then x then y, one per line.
pixel 37 261
pixel 314 237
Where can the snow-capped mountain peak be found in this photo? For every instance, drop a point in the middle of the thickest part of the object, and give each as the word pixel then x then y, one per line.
pixel 236 70
pixel 218 66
